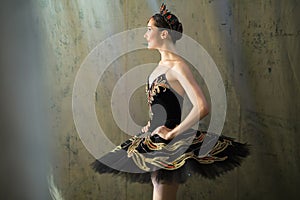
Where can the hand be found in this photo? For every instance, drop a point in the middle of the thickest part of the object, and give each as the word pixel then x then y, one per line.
pixel 146 128
pixel 163 132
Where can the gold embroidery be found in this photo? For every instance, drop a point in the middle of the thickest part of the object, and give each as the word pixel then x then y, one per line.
pixel 132 148
pixel 117 148
pixel 152 145
pixel 220 146
pixel 140 161
pixel 158 85
pixel 164 161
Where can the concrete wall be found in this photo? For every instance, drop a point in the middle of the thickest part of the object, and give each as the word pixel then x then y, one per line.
pixel 255 45
pixel 24 101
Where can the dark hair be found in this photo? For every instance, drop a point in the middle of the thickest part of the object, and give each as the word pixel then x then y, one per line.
pixel 170 25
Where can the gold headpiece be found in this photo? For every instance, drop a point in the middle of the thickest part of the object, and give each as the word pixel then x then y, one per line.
pixel 168 17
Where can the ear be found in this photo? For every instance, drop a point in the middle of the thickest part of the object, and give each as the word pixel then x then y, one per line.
pixel 164 34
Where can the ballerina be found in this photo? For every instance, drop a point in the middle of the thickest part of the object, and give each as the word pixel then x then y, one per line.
pixel 166 151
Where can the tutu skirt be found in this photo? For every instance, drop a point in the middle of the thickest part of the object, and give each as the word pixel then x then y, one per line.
pixel 191 153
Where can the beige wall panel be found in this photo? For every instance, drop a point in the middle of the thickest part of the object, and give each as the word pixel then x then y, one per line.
pixel 255 45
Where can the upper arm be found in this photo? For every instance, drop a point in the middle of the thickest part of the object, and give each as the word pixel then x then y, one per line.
pixel 184 76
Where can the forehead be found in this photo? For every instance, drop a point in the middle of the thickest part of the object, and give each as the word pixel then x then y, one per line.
pixel 151 22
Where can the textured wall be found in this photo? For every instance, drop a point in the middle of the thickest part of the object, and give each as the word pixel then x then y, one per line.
pixel 255 45
pixel 23 103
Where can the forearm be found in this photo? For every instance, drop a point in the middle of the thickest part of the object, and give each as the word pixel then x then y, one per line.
pixel 191 119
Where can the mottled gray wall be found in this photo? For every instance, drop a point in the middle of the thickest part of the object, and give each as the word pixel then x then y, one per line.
pixel 24 105
pixel 255 45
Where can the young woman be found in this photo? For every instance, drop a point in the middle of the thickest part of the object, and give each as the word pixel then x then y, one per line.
pixel 169 153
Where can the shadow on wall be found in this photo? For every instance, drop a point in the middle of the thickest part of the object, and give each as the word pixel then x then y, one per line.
pixel 23 118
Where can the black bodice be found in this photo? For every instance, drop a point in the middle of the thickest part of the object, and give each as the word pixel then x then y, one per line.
pixel 164 103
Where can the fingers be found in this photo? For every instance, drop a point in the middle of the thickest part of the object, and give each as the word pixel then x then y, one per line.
pixel 146 128
pixel 160 130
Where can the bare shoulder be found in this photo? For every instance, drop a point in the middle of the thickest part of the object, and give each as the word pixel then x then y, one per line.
pixel 181 70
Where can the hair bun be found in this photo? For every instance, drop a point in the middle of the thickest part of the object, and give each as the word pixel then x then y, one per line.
pixel 178 34
pixel 165 19
pixel 179 28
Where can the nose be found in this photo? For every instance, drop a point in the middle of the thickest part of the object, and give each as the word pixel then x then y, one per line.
pixel 145 35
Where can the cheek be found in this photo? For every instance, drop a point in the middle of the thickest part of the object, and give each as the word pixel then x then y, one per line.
pixel 154 37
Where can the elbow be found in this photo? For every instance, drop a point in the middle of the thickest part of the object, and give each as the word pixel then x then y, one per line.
pixel 204 111
pixel 203 108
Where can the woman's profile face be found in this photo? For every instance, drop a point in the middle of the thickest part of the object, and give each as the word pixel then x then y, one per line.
pixel 153 35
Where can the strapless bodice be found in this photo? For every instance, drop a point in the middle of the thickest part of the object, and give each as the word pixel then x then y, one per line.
pixel 164 103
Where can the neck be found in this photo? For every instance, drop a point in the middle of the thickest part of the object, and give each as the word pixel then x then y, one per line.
pixel 168 53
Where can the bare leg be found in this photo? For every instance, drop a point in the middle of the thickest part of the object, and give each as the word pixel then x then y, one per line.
pixel 164 191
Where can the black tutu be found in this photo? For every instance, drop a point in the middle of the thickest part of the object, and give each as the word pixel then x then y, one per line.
pixel 175 160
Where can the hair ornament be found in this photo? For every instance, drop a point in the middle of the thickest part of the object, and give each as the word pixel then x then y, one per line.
pixel 163 9
pixel 168 17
